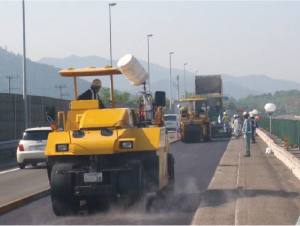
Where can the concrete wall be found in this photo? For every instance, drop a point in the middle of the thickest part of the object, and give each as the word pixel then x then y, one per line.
pixel 12 113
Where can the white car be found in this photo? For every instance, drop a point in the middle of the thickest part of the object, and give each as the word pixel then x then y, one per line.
pixel 31 149
pixel 172 122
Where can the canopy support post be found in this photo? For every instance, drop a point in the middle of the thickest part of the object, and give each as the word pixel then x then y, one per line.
pixel 75 87
pixel 112 93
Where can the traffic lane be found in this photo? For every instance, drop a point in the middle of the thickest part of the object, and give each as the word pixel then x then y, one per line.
pixel 16 184
pixel 195 165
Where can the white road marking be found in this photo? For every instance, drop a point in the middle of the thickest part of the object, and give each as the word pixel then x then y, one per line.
pixel 15 169
pixel 7 171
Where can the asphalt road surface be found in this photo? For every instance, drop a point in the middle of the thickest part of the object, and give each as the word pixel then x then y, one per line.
pixel 195 165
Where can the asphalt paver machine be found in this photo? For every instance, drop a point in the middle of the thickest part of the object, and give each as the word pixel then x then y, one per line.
pixel 210 88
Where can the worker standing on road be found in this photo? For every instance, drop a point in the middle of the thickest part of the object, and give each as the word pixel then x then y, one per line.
pixel 226 122
pixel 254 126
pixel 92 93
pixel 236 126
pixel 247 131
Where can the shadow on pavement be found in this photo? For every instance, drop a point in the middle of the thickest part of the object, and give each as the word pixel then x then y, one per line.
pixel 220 197
pixel 178 203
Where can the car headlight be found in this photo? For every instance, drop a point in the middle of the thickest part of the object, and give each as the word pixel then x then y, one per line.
pixel 126 144
pixel 62 147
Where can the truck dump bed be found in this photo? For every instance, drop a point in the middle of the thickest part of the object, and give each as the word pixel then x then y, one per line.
pixel 208 84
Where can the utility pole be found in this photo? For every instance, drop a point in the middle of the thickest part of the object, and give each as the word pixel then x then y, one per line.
pixel 24 72
pixel 60 87
pixel 10 77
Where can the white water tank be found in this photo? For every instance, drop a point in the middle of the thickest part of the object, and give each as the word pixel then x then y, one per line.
pixel 133 70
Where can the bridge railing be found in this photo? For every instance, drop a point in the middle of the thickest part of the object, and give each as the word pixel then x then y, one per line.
pixel 283 128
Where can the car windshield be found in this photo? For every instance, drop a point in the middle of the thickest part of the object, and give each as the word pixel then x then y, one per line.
pixel 36 135
pixel 170 118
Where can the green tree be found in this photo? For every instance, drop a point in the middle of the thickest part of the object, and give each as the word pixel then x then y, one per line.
pixel 105 94
pixel 188 94
pixel 121 97
pixel 229 105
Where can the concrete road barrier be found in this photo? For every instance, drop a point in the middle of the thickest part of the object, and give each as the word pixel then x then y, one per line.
pixel 291 161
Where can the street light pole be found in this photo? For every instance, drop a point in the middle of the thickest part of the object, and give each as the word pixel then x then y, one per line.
pixel 270 124
pixel 24 73
pixel 148 36
pixel 270 109
pixel 170 80
pixel 178 87
pixel 110 44
pixel 184 79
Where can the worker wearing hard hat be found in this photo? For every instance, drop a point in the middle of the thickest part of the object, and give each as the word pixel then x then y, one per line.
pixel 226 123
pixel 247 131
pixel 236 126
pixel 183 110
pixel 92 93
pixel 254 126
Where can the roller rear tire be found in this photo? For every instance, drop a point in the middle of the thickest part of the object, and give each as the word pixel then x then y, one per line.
pixel 63 199
pixel 170 188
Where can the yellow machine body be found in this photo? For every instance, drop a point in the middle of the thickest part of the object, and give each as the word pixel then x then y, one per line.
pixel 195 126
pixel 95 154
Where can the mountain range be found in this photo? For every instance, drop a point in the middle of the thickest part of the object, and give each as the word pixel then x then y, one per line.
pixel 42 78
pixel 236 87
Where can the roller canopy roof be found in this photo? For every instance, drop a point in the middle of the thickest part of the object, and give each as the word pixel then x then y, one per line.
pixel 90 71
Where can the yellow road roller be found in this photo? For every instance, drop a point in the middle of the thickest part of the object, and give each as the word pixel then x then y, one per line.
pixel 97 155
pixel 195 126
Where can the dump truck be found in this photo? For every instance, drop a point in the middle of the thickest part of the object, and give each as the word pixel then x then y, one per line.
pixel 97 155
pixel 210 88
pixel 195 125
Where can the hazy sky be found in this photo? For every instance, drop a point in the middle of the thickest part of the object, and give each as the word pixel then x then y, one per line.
pixel 236 38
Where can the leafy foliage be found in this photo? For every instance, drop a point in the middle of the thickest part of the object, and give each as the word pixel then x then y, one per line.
pixel 285 101
pixel 121 97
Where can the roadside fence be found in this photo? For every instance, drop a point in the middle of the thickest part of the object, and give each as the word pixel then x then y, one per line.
pixel 283 128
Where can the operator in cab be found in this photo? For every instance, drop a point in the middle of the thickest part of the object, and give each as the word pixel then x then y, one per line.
pixel 183 110
pixel 92 93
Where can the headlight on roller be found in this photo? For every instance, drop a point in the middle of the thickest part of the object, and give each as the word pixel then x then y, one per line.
pixel 78 133
pixel 126 144
pixel 62 147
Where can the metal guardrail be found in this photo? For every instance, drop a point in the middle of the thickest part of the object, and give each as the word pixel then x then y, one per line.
pixel 8 149
pixel 9 144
